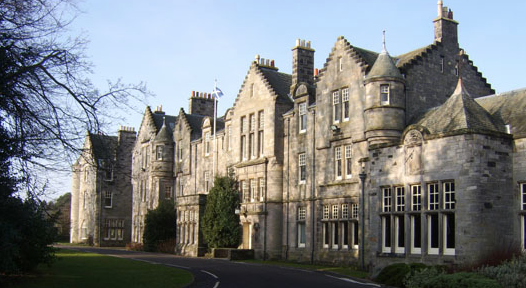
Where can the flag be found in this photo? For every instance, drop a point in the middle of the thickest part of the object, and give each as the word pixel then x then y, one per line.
pixel 217 93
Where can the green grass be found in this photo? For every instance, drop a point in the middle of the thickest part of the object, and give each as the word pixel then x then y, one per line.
pixel 347 270
pixel 78 269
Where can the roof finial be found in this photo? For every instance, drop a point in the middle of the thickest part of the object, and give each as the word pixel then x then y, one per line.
pixel 384 50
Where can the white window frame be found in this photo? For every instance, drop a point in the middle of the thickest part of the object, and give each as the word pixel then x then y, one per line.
pixel 325 212
pixel 345 211
pixel 399 230
pixel 207 180
pixel 355 236
pixel 243 124
pixel 340 64
pixel 415 250
pixel 432 250
pixel 229 144
pixel 252 122
pixel 168 191
pixel 335 235
pixel 302 167
pixel 302 232
pixel 449 195
pixel 207 143
pixel 336 107
pixel 345 104
pixel 335 212
pixel 416 198
pixel 261 143
pixel 386 199
pixel 253 190
pixel 338 172
pixel 110 194
pixel 433 196
pixel 355 209
pixel 243 147
pixel 302 213
pixel 386 92
pixel 386 224
pixel 246 191
pixel 344 232
pixel 302 117
pixel 523 197
pixel 348 161
pixel 400 199
pixel 261 189
pixel 251 145
pixel 523 232
pixel 446 250
pixel 326 235
pixel 261 117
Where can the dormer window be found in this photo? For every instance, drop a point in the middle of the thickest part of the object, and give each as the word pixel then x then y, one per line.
pixel 303 117
pixel 384 94
pixel 207 143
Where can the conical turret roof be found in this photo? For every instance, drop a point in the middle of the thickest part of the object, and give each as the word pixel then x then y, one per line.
pixel 384 67
pixel 165 134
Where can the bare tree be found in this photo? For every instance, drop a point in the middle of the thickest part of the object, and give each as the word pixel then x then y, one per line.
pixel 47 100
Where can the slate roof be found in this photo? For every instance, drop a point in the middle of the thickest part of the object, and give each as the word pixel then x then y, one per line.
pixel 403 59
pixel 384 67
pixel 461 112
pixel 510 107
pixel 280 82
pixel 103 146
pixel 165 134
pixel 367 55
pixel 195 121
pixel 158 119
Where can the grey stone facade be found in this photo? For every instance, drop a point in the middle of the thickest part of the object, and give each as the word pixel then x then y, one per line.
pixel 371 160
pixel 101 194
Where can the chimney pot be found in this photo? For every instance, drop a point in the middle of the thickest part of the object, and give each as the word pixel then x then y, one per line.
pixel 308 44
pixel 302 43
pixel 298 42
pixel 316 72
pixel 268 62
pixel 193 93
pixel 272 63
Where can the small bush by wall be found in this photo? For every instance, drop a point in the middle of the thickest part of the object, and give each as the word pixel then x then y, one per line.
pixel 511 273
pixel 433 278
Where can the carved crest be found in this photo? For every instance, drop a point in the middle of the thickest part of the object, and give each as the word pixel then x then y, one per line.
pixel 413 137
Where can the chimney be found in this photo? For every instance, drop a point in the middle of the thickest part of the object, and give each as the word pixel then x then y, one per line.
pixel 446 30
pixel 201 103
pixel 302 64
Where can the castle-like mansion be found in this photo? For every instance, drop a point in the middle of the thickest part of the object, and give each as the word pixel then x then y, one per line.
pixel 372 159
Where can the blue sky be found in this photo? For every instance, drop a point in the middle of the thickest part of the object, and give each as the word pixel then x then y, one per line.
pixel 180 46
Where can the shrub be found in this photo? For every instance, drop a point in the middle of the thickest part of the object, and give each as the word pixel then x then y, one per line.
pixel 395 274
pixel 510 273
pixel 433 278
pixel 159 225
pixel 134 246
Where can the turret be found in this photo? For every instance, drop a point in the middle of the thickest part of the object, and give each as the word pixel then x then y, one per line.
pixel 384 101
pixel 162 159
pixel 445 26
pixel 302 64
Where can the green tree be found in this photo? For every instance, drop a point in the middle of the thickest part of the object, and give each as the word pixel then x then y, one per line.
pixel 220 224
pixel 159 225
pixel 60 210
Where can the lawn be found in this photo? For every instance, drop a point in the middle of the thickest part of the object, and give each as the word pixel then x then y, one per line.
pixel 79 269
pixel 344 270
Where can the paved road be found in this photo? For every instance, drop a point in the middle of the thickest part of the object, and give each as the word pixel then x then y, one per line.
pixel 214 273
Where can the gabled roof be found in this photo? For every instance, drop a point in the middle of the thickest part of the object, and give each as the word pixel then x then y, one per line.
pixel 279 82
pixel 403 59
pixel 510 107
pixel 460 112
pixel 159 118
pixel 103 146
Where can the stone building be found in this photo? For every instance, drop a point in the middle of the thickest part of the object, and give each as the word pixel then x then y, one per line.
pixel 101 193
pixel 371 160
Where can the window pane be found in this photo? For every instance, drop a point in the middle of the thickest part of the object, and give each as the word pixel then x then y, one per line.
pixel 417 231
pixel 433 229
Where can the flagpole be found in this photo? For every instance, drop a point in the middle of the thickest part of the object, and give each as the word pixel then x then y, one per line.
pixel 214 137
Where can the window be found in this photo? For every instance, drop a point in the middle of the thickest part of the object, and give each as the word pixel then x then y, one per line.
pixel 354 211
pixel 167 192
pixel 334 211
pixel 207 181
pixel 251 150
pixel 243 148
pixel 107 168
pixel 261 189
pixel 338 162
pixel 326 212
pixel 159 152
pixel 386 234
pixel 523 216
pixel 303 117
pixel 113 229
pixel 335 234
pixel 400 234
pixel 345 235
pixel 302 168
pixel 207 143
pixel 326 234
pixel 180 152
pixel 416 198
pixel 336 107
pixel 253 190
pixel 261 120
pixel 345 211
pixel 302 238
pixel 252 122
pixel 449 195
pixel 442 64
pixel 246 194
pixel 433 197
pixel 181 188
pixel 108 199
pixel 432 234
pixel 348 161
pixel 449 234
pixel 340 64
pixel 384 94
pixel 386 192
pixel 302 211
pixel 355 233
pixel 261 143
pixel 523 196
pixel 243 122
pixel 416 234
pixel 456 68
pixel 252 92
pixel 229 138
pixel 345 100
pixel 400 199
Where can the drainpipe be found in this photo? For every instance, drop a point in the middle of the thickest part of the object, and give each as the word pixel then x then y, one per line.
pixel 265 214
pixel 288 189
pixel 362 176
pixel 313 183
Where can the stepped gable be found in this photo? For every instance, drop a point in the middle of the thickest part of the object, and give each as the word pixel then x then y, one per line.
pixel 510 107
pixel 276 82
pixel 103 146
pixel 461 112
pixel 364 57
pixel 193 122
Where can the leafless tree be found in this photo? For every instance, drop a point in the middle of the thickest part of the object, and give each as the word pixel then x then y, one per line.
pixel 47 99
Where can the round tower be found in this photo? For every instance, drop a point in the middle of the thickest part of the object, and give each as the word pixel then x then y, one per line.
pixel 384 101
pixel 162 163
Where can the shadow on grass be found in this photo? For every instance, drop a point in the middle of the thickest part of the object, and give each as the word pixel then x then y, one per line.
pixel 79 270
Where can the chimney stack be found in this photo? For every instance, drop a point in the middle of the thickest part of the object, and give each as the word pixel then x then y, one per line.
pixel 302 64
